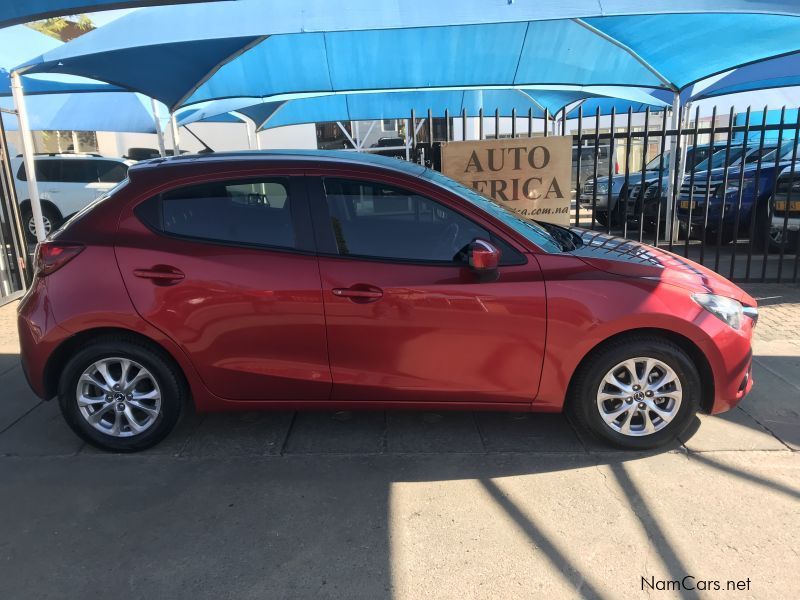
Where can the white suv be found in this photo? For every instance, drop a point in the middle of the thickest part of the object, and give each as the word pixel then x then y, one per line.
pixel 67 183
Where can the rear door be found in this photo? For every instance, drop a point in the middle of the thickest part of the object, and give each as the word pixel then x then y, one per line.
pixel 227 269
pixel 407 321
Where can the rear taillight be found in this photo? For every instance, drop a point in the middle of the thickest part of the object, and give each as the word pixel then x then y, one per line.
pixel 51 256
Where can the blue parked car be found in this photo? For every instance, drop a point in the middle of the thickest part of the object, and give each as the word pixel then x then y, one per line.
pixel 755 196
pixel 631 192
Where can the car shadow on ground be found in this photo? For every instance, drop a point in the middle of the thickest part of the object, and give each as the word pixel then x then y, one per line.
pixel 305 504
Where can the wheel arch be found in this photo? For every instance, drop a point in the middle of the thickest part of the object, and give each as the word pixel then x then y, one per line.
pixel 25 205
pixel 684 343
pixel 59 357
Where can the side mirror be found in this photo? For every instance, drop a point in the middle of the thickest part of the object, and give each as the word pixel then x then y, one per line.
pixel 484 260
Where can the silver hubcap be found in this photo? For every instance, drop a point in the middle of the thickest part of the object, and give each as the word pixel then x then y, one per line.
pixel 48 226
pixel 639 396
pixel 118 397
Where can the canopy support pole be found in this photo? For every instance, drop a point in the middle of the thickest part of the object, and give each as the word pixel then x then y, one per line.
pixel 408 141
pixel 28 151
pixel 670 228
pixel 366 135
pixel 162 149
pixel 176 143
pixel 347 135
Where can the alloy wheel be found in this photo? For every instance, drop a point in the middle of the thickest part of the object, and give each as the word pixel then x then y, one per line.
pixel 118 397
pixel 639 396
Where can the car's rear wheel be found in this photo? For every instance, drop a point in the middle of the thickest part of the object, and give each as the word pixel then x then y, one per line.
pixel 121 395
pixel 638 393
pixel 50 218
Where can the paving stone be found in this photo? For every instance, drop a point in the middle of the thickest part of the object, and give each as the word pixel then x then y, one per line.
pixel 41 432
pixel 446 431
pixel 16 397
pixel 775 400
pixel 237 434
pixel 337 433
pixel 527 432
pixel 732 430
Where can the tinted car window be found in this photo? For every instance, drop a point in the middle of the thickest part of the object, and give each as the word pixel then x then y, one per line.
pixel 46 170
pixel 243 212
pixel 78 170
pixel 111 171
pixel 381 221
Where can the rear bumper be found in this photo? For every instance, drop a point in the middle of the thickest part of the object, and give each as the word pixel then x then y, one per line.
pixel 39 336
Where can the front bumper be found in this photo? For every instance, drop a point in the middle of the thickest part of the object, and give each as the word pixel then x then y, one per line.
pixel 731 358
pixel 793 224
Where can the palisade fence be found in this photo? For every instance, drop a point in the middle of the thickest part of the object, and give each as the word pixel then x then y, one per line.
pixel 737 213
pixel 14 258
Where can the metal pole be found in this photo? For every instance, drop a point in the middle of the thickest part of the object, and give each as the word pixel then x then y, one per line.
pixel 408 141
pixel 176 142
pixel 673 166
pixel 162 148
pixel 249 135
pixel 28 151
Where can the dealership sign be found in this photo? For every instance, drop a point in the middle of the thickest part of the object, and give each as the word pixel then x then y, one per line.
pixel 531 176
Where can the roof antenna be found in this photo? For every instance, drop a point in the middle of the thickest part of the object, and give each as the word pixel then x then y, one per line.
pixel 206 148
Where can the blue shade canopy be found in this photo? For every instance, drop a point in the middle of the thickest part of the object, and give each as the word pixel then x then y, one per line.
pixel 13 12
pixel 100 111
pixel 391 105
pixel 20 42
pixel 778 72
pixel 256 48
pixel 618 105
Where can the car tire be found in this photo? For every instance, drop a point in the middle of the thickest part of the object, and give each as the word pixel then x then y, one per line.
pixel 601 217
pixel 52 221
pixel 122 418
pixel 589 407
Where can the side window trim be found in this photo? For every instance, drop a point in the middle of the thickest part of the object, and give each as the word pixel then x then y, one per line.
pixel 300 218
pixel 326 241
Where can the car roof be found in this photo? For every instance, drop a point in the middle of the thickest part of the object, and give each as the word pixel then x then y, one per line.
pixel 69 156
pixel 337 157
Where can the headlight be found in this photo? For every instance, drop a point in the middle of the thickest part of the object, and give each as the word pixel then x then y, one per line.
pixel 602 187
pixel 725 309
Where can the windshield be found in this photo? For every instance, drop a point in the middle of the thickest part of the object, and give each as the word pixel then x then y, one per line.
pixel 718 159
pixel 787 150
pixel 654 164
pixel 531 230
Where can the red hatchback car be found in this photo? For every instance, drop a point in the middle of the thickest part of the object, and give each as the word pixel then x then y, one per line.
pixel 323 280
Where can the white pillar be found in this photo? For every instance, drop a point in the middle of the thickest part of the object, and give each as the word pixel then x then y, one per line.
pixel 28 151
pixel 162 148
pixel 176 143
pixel 76 143
pixel 673 164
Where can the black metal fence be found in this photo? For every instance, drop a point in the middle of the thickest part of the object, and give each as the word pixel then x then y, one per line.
pixel 14 260
pixel 731 200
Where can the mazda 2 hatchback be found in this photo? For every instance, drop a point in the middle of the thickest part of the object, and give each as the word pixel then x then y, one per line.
pixel 323 280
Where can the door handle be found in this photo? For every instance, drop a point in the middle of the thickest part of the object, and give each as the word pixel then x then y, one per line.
pixel 160 275
pixel 359 293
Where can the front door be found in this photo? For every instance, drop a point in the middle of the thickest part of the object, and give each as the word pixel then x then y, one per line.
pixel 406 320
pixel 227 270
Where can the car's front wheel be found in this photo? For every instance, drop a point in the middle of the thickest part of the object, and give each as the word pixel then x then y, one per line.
pixel 638 392
pixel 121 395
